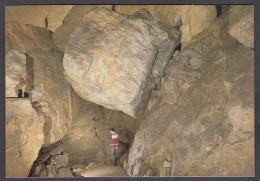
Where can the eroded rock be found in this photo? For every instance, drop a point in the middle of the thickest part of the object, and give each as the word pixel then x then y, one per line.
pixel 52 161
pixel 112 59
pixel 180 74
pixel 241 24
pixel 70 22
pixel 24 136
pixel 194 18
pixel 45 16
pixel 42 72
pixel 15 73
pixel 209 130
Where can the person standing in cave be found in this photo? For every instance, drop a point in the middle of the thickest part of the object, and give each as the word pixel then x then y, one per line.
pixel 114 145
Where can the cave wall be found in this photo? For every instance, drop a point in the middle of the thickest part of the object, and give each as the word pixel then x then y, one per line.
pixel 45 16
pixel 24 136
pixel 209 129
pixel 199 120
pixel 48 90
pixel 40 81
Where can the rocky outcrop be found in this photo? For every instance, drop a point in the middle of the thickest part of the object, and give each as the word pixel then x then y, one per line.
pixel 15 73
pixel 241 24
pixel 182 71
pixel 70 22
pixel 45 16
pixel 24 136
pixel 52 161
pixel 209 130
pixel 31 50
pixel 114 62
pixel 194 18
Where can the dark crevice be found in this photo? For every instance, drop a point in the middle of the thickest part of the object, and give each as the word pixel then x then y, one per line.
pixel 219 10
pixel 114 8
pixel 20 93
pixel 46 22
pixel 26 94
pixel 178 47
pixel 96 131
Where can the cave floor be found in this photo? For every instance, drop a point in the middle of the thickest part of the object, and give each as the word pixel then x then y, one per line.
pixel 104 171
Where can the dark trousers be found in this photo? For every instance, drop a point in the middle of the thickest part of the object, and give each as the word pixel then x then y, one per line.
pixel 113 152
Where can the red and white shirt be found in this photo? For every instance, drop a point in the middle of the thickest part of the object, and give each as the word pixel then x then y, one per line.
pixel 114 140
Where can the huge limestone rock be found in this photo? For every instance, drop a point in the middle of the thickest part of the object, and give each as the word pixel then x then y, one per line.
pixel 113 59
pixel 194 18
pixel 32 59
pixel 241 24
pixel 24 136
pixel 70 22
pixel 209 130
pixel 45 16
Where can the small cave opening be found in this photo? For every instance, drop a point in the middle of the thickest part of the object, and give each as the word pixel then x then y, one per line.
pixel 178 47
pixel 219 10
pixel 20 93
pixel 25 94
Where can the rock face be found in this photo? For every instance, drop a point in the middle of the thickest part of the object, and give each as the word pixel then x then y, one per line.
pixel 209 130
pixel 182 71
pixel 48 16
pixel 52 162
pixel 87 142
pixel 112 59
pixel 241 24
pixel 38 68
pixel 15 71
pixel 70 22
pixel 194 18
pixel 24 136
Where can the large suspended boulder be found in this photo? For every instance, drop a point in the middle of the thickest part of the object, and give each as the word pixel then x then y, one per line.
pixel 241 24
pixel 113 59
pixel 70 22
pixel 24 136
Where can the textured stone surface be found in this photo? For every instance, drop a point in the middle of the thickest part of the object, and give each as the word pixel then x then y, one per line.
pixel 111 58
pixel 45 16
pixel 52 162
pixel 24 136
pixel 182 71
pixel 209 130
pixel 15 71
pixel 194 18
pixel 241 24
pixel 48 90
pixel 70 22
pixel 87 142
